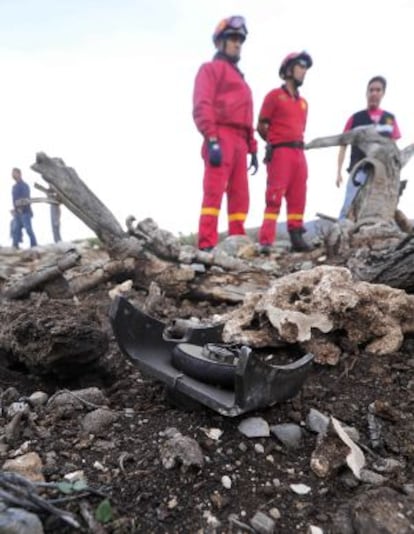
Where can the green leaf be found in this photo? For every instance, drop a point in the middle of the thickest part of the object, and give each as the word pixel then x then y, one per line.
pixel 103 513
pixel 65 487
pixel 80 485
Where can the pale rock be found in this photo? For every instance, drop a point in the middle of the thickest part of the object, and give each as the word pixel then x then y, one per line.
pixel 262 523
pixel 300 489
pixel 75 476
pixel 254 427
pixel 98 421
pixel 181 450
pixel 38 398
pixel 29 465
pixel 17 407
pixel 19 521
pixel 275 513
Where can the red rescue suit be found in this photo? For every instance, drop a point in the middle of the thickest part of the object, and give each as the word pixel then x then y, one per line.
pixel 223 109
pixel 287 170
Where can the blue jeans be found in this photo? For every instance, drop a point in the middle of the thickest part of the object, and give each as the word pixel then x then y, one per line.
pixel 351 191
pixel 23 220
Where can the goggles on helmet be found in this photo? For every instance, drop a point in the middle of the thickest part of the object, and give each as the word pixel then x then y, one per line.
pixel 232 25
pixel 295 58
pixel 302 63
pixel 236 22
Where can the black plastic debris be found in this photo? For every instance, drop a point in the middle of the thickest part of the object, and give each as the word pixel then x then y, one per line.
pixel 153 347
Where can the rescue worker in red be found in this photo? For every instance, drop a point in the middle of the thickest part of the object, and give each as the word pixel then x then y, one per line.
pixel 282 122
pixel 223 113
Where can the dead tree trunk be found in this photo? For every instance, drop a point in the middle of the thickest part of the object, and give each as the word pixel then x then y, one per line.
pixel 20 287
pixel 157 255
pixel 395 270
pixel 78 198
pixel 373 217
pixel 377 200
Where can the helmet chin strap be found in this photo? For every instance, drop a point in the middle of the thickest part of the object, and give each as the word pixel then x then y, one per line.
pixel 223 48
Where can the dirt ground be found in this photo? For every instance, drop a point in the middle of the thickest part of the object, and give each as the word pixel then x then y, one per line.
pixel 125 464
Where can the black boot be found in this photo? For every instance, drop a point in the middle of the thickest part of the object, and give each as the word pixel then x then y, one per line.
pixel 298 243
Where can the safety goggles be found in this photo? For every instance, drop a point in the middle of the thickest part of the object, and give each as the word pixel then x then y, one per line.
pixel 236 22
pixel 302 63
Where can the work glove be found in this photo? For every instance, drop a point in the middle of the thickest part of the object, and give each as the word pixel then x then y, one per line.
pixel 268 153
pixel 254 164
pixel 214 153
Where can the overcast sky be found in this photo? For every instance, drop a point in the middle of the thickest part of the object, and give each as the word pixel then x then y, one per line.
pixel 106 85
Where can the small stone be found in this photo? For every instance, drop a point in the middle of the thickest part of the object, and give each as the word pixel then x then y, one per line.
pixel 75 476
pixel 387 465
pixel 275 513
pixel 213 433
pixel 317 421
pixel 172 503
pixel 408 489
pixel 100 467
pixel 18 520
pixel 254 427
pixel 10 395
pixel 226 482
pixel 262 523
pixel 369 477
pixel 38 398
pixel 211 520
pixel 29 465
pixel 300 489
pixel 289 434
pixel 98 421
pixel 349 480
pixel 17 407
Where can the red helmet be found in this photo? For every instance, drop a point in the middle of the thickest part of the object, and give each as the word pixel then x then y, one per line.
pixel 294 57
pixel 234 25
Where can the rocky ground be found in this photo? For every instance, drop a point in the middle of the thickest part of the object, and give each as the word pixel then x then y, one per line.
pixel 135 462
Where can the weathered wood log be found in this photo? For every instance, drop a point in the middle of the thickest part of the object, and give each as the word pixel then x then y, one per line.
pixel 395 269
pixel 78 198
pixel 377 200
pixel 229 287
pixel 375 204
pixel 94 276
pixel 21 287
pixel 159 256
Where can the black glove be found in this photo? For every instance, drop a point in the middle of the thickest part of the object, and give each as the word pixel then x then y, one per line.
pixel 214 153
pixel 254 164
pixel 268 153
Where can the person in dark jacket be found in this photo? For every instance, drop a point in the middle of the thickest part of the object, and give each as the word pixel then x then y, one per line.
pixel 223 114
pixel 22 210
pixel 386 125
